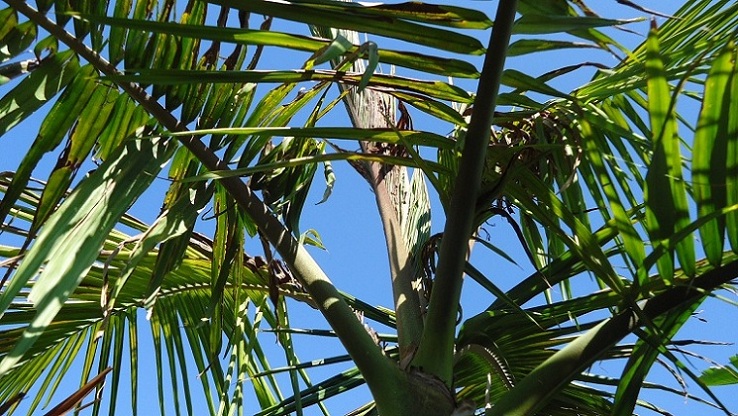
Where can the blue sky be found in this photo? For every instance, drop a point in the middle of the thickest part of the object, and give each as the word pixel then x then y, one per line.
pixel 356 259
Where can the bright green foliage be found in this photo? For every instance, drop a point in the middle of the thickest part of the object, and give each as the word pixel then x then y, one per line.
pixel 618 181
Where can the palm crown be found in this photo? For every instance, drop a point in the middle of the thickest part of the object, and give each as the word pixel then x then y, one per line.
pixel 597 181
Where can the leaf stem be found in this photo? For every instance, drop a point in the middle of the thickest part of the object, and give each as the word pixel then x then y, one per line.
pixel 545 381
pixel 406 299
pixel 435 354
pixel 368 109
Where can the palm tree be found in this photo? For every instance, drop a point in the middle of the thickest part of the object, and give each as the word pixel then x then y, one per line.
pixel 596 182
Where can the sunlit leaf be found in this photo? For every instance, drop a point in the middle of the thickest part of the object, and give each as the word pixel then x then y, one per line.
pixel 721 376
pixel 72 238
pixel 709 160
pixel 37 89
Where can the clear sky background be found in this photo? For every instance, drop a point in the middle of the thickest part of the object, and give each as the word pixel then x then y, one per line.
pixel 356 257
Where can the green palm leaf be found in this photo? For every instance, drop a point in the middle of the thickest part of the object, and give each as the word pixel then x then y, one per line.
pixel 569 167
